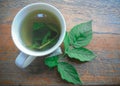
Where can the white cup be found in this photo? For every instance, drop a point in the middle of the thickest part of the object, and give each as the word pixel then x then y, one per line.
pixel 27 56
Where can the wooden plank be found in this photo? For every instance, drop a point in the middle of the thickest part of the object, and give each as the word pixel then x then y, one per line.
pixel 103 70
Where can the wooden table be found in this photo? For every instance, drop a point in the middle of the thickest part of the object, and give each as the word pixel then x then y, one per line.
pixel 104 70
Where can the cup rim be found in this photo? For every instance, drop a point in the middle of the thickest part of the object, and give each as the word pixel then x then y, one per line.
pixel 38 53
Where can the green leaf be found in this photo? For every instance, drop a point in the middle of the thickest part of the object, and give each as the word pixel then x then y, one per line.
pixel 46 38
pixel 66 42
pixel 38 25
pixel 51 41
pixel 53 27
pixel 44 35
pixel 51 61
pixel 68 73
pixel 80 35
pixel 81 54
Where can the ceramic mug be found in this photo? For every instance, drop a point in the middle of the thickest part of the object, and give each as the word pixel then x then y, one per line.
pixel 27 56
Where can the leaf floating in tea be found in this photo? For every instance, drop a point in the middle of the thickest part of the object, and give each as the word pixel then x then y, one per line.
pixel 46 38
pixel 44 35
pixel 37 25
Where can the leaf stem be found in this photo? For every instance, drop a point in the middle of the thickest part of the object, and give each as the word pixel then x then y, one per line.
pixel 42 46
pixel 62 58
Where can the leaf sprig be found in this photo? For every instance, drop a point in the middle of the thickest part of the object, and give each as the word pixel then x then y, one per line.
pixel 74 42
pixel 44 35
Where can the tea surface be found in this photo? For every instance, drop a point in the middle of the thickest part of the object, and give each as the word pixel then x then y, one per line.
pixel 40 30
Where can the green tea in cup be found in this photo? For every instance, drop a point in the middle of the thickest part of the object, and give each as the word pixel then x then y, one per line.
pixel 40 30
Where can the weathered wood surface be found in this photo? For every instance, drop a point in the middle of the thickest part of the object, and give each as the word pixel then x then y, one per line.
pixel 104 70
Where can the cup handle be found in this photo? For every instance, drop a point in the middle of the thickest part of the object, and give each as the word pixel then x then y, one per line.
pixel 23 60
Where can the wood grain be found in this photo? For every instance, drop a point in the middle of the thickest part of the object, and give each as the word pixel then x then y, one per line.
pixel 104 70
